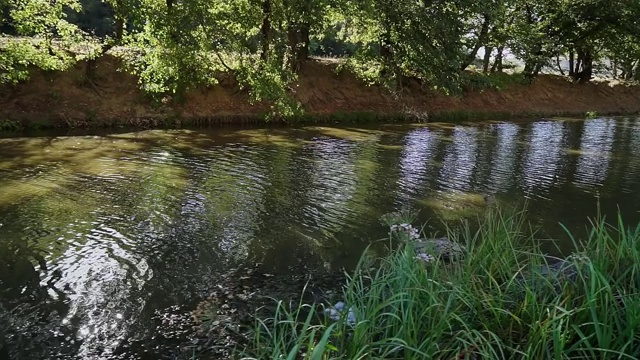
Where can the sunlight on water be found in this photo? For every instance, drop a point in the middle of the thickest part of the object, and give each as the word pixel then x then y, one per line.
pixel 416 163
pixel 503 166
pixel 544 159
pixel 595 152
pixel 331 184
pixel 459 162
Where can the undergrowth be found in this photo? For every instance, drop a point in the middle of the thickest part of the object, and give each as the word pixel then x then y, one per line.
pixel 505 300
pixel 476 81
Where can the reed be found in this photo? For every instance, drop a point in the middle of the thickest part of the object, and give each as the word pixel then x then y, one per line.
pixel 505 300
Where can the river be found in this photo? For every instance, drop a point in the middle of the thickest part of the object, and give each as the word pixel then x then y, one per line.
pixel 102 234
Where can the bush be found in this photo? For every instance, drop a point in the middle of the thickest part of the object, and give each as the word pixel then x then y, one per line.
pixel 476 81
pixel 10 125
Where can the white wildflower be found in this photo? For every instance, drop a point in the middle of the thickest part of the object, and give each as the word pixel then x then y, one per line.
pixel 426 258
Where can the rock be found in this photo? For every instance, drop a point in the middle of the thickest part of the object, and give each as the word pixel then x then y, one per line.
pixel 335 313
pixel 557 273
pixel 440 248
pixel 425 258
pixel 565 269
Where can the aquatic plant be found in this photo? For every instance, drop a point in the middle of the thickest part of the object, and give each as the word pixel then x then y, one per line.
pixel 592 114
pixel 403 216
pixel 506 299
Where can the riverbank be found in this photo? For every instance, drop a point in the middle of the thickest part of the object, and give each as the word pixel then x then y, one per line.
pixel 113 98
pixel 505 299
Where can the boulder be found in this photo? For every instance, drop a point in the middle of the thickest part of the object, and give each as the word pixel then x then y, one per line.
pixel 440 248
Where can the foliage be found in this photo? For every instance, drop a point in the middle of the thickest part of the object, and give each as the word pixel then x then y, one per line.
pixel 504 300
pixel 41 23
pixel 475 81
pixel 592 114
pixel 9 125
pixel 176 46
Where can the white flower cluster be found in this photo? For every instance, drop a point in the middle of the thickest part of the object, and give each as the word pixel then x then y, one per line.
pixel 405 231
pixel 426 258
pixel 578 258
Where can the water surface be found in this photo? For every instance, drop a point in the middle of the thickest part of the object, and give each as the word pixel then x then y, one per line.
pixel 102 234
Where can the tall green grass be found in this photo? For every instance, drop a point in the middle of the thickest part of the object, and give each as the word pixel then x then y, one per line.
pixel 500 302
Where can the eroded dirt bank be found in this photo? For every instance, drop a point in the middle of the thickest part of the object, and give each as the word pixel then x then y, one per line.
pixel 65 99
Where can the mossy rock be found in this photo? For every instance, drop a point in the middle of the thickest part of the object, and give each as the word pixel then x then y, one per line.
pixel 440 248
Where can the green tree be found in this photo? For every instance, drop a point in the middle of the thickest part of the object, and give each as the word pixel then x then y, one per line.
pixel 404 38
pixel 584 28
pixel 48 37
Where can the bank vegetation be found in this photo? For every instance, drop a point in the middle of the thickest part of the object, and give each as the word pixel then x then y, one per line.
pixel 506 299
pixel 174 47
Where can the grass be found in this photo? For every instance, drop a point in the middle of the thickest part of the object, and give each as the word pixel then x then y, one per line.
pixel 500 302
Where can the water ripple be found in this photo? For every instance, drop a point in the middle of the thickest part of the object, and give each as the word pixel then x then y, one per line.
pixel 98 239
pixel 543 161
pixel 459 162
pixel 416 163
pixel 505 158
pixel 595 152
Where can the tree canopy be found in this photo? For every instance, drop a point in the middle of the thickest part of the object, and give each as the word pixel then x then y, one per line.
pixel 175 45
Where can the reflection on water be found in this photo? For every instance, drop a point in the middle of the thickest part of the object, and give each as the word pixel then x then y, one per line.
pixel 459 163
pixel 331 184
pixel 99 232
pixel 503 166
pixel 632 155
pixel 595 152
pixel 416 164
pixel 544 157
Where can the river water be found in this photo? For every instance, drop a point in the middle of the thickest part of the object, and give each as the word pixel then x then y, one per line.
pixel 101 235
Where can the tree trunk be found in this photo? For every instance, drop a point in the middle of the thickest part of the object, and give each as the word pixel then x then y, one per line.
pixel 578 64
pixel 497 63
pixel 91 63
pixel 265 30
pixel 571 63
pixel 532 69
pixel 636 70
pixel 584 73
pixel 587 69
pixel 387 53
pixel 298 37
pixel 292 37
pixel 303 51
pixel 559 66
pixel 386 47
pixel 536 70
pixel 627 69
pixel 482 37
pixel 487 59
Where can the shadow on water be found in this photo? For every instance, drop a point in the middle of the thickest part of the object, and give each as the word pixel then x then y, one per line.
pixel 108 240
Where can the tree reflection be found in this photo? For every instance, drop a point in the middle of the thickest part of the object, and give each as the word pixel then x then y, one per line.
pixel 460 160
pixel 503 166
pixel 27 303
pixel 416 163
pixel 595 152
pixel 543 160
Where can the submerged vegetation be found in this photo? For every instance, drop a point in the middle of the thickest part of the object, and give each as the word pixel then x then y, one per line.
pixel 505 300
pixel 176 46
